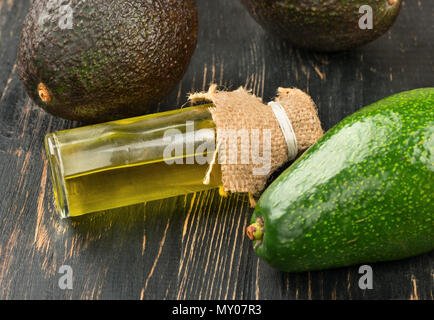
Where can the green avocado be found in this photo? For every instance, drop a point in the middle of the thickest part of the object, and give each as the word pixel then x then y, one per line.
pixel 330 25
pixel 100 60
pixel 363 193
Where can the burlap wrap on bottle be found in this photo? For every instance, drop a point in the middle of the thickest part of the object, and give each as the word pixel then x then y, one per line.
pixel 239 109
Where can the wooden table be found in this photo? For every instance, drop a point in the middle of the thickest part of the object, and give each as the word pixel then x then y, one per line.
pixel 194 246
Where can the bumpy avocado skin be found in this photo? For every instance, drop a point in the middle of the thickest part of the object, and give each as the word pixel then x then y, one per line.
pixel 329 25
pixel 120 58
pixel 363 193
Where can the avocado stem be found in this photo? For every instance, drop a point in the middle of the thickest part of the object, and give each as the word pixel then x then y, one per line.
pixel 255 231
pixel 43 93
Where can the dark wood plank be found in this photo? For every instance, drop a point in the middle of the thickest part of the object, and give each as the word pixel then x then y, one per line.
pixel 194 246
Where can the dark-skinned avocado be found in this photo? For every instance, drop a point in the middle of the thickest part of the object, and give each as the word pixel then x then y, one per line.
pixel 328 25
pixel 100 60
pixel 363 193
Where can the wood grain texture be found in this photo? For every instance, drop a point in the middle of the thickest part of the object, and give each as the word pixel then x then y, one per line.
pixel 194 246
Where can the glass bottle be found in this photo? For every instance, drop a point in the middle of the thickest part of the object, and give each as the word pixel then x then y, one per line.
pixel 134 160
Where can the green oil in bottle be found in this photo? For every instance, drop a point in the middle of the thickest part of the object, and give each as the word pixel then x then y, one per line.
pixel 135 160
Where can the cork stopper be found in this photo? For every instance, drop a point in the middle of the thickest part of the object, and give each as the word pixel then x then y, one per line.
pixel 240 111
